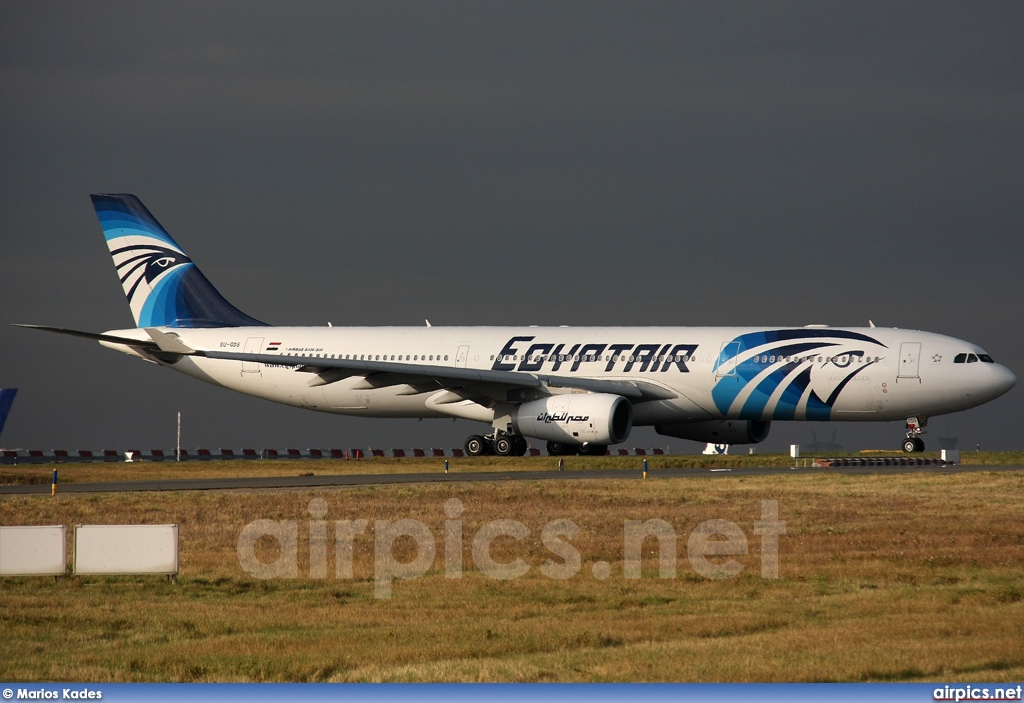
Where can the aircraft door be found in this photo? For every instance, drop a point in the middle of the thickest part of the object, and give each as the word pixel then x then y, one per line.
pixel 727 359
pixel 461 356
pixel 253 345
pixel 910 360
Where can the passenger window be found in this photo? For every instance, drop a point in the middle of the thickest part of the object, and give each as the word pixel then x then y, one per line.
pixel 959 358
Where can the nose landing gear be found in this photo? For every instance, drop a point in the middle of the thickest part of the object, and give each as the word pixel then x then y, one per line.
pixel 913 443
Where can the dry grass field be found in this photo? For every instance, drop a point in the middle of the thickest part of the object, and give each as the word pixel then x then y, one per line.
pixel 882 578
pixel 120 471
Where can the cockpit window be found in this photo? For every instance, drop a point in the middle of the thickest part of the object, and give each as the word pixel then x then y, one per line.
pixel 972 358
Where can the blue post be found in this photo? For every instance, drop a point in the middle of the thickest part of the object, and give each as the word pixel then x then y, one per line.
pixel 53 486
pixel 645 468
pixel 446 466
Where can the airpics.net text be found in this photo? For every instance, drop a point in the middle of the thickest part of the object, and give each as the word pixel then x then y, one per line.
pixel 709 539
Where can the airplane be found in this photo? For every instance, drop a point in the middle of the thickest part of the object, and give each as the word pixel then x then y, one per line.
pixel 580 389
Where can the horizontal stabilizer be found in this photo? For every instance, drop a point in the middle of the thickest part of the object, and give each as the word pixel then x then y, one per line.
pixel 139 343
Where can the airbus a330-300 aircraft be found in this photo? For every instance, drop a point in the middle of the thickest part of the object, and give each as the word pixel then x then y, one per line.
pixel 579 388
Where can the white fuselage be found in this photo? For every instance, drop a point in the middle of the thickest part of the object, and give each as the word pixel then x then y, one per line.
pixel 705 373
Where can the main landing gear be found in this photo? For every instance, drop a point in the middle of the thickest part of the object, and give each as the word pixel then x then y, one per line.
pixel 913 443
pixel 586 449
pixel 508 444
pixel 498 443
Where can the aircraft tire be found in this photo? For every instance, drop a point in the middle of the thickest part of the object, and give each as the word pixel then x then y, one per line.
pixel 504 445
pixel 475 445
pixel 561 449
pixel 912 445
pixel 519 445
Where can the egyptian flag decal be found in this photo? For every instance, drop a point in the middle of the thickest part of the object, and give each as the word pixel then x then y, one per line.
pixel 274 346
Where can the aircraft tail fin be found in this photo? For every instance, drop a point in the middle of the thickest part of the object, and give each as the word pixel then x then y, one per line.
pixel 164 288
pixel 6 400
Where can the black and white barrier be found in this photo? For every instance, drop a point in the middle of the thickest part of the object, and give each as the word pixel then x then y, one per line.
pixel 37 550
pixel 85 456
pixel 881 461
pixel 122 550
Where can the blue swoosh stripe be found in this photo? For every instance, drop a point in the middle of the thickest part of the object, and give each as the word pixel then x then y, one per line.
pixel 724 394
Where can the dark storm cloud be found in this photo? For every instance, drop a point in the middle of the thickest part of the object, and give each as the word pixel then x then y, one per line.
pixel 561 163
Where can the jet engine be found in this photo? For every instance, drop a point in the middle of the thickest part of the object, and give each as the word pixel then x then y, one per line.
pixel 575 418
pixel 719 431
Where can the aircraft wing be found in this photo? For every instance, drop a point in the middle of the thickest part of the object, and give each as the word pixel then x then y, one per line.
pixel 499 385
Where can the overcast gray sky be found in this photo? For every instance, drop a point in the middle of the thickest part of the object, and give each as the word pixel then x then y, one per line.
pixel 629 163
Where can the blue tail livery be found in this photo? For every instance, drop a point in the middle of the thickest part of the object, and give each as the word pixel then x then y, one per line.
pixel 163 286
pixel 6 400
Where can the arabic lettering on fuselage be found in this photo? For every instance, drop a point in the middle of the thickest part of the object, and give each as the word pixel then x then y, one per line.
pixel 518 355
pixel 548 418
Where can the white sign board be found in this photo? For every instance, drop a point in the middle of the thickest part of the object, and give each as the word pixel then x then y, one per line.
pixel 126 549
pixel 33 551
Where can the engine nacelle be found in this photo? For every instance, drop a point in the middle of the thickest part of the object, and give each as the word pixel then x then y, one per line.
pixel 719 431
pixel 575 418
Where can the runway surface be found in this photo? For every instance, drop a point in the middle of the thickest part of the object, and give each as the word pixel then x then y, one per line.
pixel 272 482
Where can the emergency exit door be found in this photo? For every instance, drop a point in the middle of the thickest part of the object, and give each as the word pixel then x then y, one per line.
pixel 910 360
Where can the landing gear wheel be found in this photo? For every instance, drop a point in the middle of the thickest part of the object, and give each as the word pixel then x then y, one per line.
pixel 503 445
pixel 561 449
pixel 593 449
pixel 475 445
pixel 519 445
pixel 913 445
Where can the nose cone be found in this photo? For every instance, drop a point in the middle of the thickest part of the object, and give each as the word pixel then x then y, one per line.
pixel 1001 379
